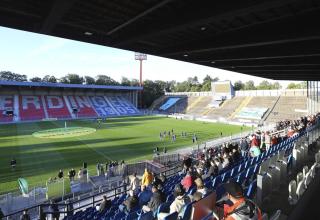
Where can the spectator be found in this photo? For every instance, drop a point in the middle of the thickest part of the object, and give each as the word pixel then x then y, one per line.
pixel 144 196
pixel 187 182
pixel 197 196
pixel 54 209
pixel 146 178
pixel 1 214
pixel 60 174
pixel 267 140
pixel 200 187
pixel 25 215
pixel 242 208
pixel 157 198
pixel 134 183
pixel 130 204
pixel 104 205
pixel 162 178
pixel 254 151
pixel 180 201
pixel 13 163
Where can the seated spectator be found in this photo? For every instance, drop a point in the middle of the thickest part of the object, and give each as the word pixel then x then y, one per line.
pixel 187 181
pixel 144 196
pixel 25 215
pixel 254 151
pixel 130 204
pixel 156 200
pixel 181 200
pixel 200 187
pixel 104 205
pixel 241 208
pixel 146 178
pixel 197 196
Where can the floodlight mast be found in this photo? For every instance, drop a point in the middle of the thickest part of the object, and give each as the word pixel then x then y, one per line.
pixel 141 57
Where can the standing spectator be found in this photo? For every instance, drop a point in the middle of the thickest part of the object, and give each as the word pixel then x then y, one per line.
pixel 267 140
pixel 146 178
pixel 25 215
pixel 60 174
pixel 13 163
pixel 134 183
pixel 164 150
pixel 162 178
pixel 1 214
pixel 73 172
pixel 54 209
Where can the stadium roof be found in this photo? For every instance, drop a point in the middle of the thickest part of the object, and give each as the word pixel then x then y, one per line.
pixel 70 86
pixel 278 39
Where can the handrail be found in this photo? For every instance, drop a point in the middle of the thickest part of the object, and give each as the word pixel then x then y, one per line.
pixel 89 197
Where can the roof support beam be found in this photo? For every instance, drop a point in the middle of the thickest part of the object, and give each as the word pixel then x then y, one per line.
pixel 58 10
pixel 287 30
pixel 192 23
pixel 142 14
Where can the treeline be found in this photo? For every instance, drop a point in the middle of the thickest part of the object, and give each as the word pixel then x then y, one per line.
pixel 152 89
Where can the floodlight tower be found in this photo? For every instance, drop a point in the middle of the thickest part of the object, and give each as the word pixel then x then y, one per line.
pixel 141 57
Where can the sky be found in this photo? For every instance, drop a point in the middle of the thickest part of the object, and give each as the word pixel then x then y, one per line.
pixel 39 55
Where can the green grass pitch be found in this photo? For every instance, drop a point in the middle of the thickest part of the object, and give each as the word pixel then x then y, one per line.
pixel 130 139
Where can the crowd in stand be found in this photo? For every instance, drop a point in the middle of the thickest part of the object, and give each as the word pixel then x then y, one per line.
pixel 147 194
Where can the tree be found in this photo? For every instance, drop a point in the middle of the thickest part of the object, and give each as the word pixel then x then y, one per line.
pixel 125 81
pixel 105 80
pixel 206 85
pixel 249 85
pixel 302 85
pixel 49 79
pixel 264 85
pixel 276 85
pixel 239 85
pixel 10 76
pixel 36 79
pixel 89 80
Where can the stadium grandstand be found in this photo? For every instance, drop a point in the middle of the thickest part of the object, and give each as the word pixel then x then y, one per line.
pixel 30 101
pixel 268 168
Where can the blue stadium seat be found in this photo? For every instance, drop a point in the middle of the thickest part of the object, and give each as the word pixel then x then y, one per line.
pixel 216 181
pixel 251 189
pixel 146 216
pixel 187 211
pixel 220 192
pixel 164 207
pixel 173 216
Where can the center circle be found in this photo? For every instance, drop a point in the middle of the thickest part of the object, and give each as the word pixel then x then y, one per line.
pixel 64 132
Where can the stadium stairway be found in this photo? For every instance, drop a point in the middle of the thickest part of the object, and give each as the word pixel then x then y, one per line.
pixel 243 104
pixel 288 107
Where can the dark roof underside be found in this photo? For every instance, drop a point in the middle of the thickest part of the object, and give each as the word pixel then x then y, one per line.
pixel 277 39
